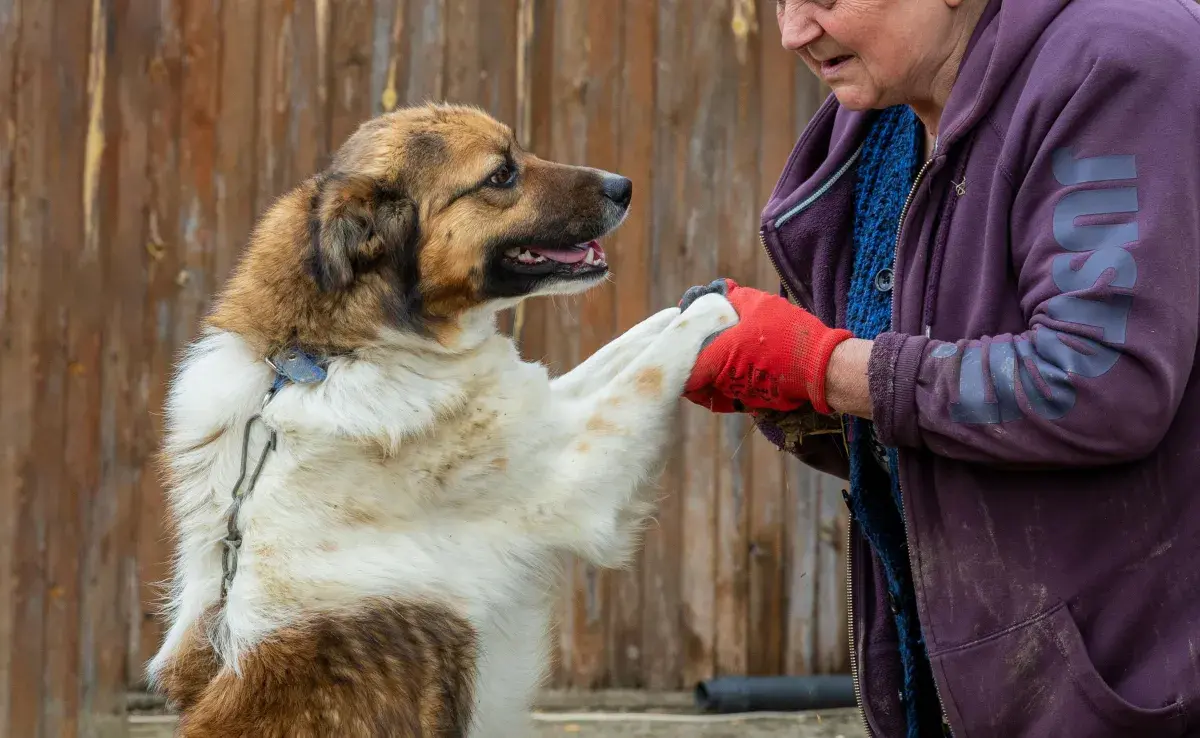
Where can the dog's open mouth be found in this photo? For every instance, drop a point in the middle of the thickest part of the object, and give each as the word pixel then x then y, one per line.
pixel 584 259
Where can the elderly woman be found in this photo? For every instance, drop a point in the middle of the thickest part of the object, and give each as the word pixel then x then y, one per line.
pixel 990 238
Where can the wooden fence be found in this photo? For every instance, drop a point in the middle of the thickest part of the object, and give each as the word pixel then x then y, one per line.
pixel 140 139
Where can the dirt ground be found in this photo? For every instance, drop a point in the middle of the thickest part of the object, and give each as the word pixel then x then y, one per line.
pixel 843 724
pixel 628 715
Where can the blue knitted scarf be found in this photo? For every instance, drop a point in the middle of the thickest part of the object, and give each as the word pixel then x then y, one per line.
pixel 886 170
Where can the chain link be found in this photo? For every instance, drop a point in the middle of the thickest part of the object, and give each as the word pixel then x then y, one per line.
pixel 232 542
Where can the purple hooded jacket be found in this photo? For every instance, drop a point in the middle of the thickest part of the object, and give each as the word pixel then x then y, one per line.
pixel 1038 376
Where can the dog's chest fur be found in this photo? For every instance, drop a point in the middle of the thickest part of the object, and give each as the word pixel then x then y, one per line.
pixel 402 547
pixel 412 480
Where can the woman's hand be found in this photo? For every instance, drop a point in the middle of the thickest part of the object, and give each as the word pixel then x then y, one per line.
pixel 775 358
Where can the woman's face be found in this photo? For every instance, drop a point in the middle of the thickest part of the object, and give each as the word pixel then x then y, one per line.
pixel 872 53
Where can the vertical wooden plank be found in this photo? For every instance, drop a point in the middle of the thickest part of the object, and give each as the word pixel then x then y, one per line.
pixel 388 61
pixel 199 113
pixel 426 51
pixel 308 68
pixel 497 42
pixel 599 97
pixel 629 258
pixel 182 233
pixel 124 196
pixel 738 480
pixel 162 215
pixel 707 97
pixel 10 48
pixel 33 93
pixel 534 91
pixel 66 398
pixel 568 143
pixel 536 80
pixel 662 594
pixel 90 443
pixel 234 182
pixel 803 570
pixel 292 120
pixel 271 67
pixel 350 97
pixel 832 648
pixel 463 56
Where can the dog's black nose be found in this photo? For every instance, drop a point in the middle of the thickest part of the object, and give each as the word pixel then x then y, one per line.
pixel 618 189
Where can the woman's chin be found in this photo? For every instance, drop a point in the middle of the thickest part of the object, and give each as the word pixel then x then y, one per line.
pixel 853 96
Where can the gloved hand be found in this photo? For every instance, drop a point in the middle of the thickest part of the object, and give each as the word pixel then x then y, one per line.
pixel 774 358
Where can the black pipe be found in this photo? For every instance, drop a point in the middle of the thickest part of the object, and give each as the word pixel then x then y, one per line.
pixel 775 694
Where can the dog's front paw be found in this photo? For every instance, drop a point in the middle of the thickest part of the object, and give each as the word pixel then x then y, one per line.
pixel 717 286
pixel 706 317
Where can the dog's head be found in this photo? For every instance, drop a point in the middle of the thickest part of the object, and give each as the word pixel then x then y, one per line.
pixel 424 215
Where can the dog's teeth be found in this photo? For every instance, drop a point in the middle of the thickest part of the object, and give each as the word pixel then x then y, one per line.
pixel 513 253
pixel 591 257
pixel 539 259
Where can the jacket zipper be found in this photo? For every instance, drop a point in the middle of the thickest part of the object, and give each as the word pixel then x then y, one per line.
pixel 903 517
pixel 825 187
pixel 858 699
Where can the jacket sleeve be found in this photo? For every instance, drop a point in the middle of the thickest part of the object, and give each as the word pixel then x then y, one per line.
pixel 1105 240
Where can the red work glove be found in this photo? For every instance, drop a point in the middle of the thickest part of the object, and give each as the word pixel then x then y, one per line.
pixel 775 358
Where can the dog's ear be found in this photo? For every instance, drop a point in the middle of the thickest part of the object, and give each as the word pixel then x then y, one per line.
pixel 358 224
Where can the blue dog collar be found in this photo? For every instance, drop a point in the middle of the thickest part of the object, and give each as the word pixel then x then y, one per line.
pixel 294 365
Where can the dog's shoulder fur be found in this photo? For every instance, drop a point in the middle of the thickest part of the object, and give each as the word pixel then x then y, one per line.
pixel 401 547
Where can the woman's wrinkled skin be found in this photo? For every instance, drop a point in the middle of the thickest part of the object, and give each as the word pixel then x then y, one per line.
pixel 875 54
pixel 879 53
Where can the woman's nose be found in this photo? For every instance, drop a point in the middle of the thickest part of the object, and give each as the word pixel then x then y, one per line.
pixel 796 24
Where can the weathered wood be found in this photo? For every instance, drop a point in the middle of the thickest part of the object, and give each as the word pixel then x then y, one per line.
pixel 33 94
pixel 535 92
pixel 140 140
pixel 699 98
pixel 831 599
pixel 90 456
pixel 350 63
pixel 629 257
pixel 11 357
pixel 742 478
pixel 425 49
pixel 65 452
pixel 162 213
pixel 124 195
pixel 568 142
pixel 236 135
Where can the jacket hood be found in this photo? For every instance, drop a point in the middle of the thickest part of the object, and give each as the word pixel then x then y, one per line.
pixel 1000 43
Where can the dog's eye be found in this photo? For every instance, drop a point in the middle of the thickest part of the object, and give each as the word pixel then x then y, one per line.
pixel 504 176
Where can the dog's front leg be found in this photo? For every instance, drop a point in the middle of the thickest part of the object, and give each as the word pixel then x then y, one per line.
pixel 619 436
pixel 602 366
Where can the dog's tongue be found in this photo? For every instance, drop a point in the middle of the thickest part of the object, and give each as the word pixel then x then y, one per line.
pixel 568 256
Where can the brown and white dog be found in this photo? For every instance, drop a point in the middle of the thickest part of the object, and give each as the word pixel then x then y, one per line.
pixel 391 565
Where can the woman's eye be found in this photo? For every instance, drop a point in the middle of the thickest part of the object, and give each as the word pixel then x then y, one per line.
pixel 503 176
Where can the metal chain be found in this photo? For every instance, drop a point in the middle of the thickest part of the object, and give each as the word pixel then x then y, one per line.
pixel 232 542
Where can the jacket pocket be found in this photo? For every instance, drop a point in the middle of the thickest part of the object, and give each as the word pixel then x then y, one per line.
pixel 1036 679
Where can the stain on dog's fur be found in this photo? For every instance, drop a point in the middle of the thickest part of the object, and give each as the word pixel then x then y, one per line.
pixel 391 670
pixel 602 426
pixel 648 382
